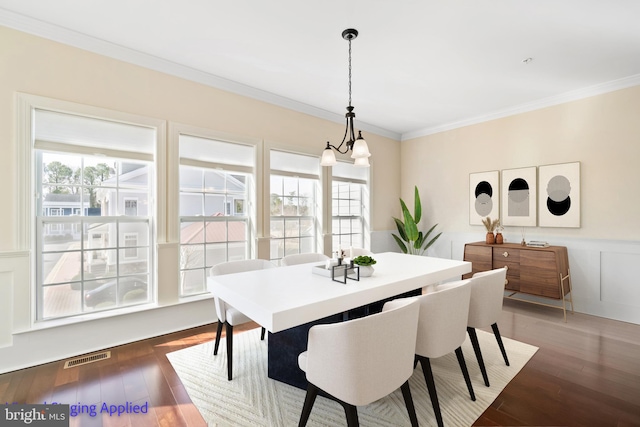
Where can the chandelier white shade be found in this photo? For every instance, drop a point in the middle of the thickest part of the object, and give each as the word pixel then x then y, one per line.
pixel 359 148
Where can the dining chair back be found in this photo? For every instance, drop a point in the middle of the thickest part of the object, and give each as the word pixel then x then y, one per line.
pixel 362 360
pixel 442 330
pixel 487 294
pixel 228 315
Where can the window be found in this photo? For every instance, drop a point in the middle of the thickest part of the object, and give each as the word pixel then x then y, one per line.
pixel 131 207
pixel 350 201
pixel 94 252
pixel 294 204
pixel 130 244
pixel 215 177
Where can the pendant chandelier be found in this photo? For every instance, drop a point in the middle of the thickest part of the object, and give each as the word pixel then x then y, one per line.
pixel 358 146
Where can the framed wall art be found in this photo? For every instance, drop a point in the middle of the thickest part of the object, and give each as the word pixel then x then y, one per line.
pixel 484 196
pixel 519 197
pixel 559 196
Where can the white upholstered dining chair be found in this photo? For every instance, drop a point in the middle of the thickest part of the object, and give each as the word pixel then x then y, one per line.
pixel 441 330
pixel 294 259
pixel 360 361
pixel 487 294
pixel 228 315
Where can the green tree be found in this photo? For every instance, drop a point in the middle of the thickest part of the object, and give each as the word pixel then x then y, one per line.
pixel 58 173
pixel 94 176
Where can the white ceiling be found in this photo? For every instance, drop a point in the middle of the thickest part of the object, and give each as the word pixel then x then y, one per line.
pixel 419 66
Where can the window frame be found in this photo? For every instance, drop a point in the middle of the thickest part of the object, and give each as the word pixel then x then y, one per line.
pixel 25 235
pixel 317 216
pixel 252 199
pixel 365 203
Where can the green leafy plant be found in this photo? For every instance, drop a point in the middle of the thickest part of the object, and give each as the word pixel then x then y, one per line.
pixel 409 238
pixel 364 260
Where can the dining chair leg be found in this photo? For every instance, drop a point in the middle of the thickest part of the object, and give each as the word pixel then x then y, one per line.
pixel 496 332
pixel 465 372
pixel 408 400
pixel 431 386
pixel 309 400
pixel 476 349
pixel 352 415
pixel 229 329
pixel 218 336
pixel 262 334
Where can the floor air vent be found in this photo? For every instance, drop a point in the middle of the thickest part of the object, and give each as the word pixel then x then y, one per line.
pixel 87 359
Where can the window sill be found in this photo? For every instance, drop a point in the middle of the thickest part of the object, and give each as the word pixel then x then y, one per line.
pixel 89 317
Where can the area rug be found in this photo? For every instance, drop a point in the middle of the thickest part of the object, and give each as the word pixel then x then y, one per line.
pixel 252 399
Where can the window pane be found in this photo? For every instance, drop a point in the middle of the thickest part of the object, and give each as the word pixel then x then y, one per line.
pixel 61 301
pixel 191 204
pixel 291 246
pixel 276 205
pixel 214 180
pixel 190 179
pixel 216 231
pixel 139 264
pixel 191 232
pixel 192 282
pixel 277 228
pixel 217 253
pixel 307 227
pixel 307 187
pixel 291 227
pixel 277 248
pixel 306 245
pixel 277 184
pixel 237 251
pixel 191 256
pixel 215 205
pixel 237 231
pixel 290 186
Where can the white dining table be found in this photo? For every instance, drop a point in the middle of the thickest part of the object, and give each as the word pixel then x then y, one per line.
pixel 287 301
pixel 284 297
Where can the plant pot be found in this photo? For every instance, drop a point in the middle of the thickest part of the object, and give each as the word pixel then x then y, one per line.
pixel 366 270
pixel 499 239
pixel 490 239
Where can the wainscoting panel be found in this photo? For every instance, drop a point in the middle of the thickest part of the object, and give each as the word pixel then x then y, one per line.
pixel 620 278
pixel 6 309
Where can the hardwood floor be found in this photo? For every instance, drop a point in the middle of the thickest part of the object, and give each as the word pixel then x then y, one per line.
pixel 586 373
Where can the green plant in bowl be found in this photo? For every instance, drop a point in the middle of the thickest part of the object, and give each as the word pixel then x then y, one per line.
pixel 364 260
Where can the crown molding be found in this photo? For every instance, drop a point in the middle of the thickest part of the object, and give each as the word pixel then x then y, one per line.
pixel 101 47
pixel 573 95
pixel 85 42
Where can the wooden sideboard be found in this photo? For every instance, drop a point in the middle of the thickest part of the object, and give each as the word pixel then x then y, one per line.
pixel 542 272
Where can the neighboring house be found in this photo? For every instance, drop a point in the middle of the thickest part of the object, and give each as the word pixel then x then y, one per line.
pixel 55 204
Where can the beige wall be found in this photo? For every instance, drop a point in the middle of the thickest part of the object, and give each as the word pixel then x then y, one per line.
pixel 38 66
pixel 601 132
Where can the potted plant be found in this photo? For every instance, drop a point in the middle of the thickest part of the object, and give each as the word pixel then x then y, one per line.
pixel 366 265
pixel 410 239
pixel 490 226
